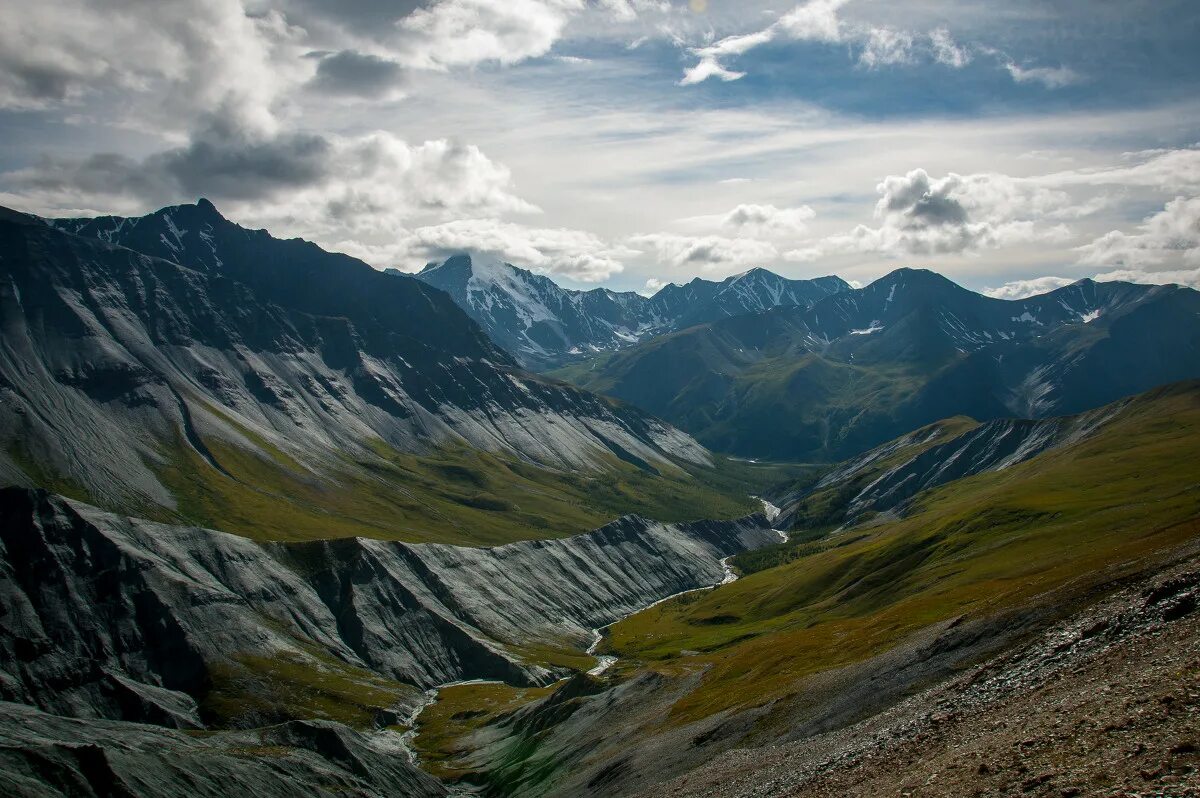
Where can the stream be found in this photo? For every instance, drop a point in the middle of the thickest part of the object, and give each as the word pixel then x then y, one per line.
pixel 603 661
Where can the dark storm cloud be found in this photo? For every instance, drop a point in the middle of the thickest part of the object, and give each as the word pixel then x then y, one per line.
pixel 238 168
pixel 356 74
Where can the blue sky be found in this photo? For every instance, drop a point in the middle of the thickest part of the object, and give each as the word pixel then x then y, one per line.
pixel 630 143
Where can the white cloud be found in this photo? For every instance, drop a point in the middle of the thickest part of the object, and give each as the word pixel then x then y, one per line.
pixel 325 188
pixel 708 67
pixel 921 215
pixel 451 33
pixel 1176 170
pixel 1188 277
pixel 571 253
pixel 173 63
pixel 1022 289
pixel 706 252
pixel 1171 236
pixel 1050 77
pixel 814 21
pixel 767 220
pixel 886 47
pixel 946 51
pixel 653 286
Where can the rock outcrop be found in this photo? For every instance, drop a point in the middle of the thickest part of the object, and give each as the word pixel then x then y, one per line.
pixel 45 756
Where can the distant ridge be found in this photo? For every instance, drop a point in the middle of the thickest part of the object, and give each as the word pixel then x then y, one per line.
pixel 542 324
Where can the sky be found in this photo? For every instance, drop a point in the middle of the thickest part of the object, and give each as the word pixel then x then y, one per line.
pixel 1014 147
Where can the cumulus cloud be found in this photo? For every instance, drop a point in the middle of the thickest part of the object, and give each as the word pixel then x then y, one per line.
pixel 1169 237
pixel 571 253
pixel 768 220
pixel 1023 289
pixel 175 62
pixel 921 215
pixel 321 186
pixel 706 252
pixel 450 33
pixel 223 84
pixel 653 286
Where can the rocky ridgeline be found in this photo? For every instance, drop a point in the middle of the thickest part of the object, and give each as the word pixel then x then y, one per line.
pixel 989 447
pixel 130 345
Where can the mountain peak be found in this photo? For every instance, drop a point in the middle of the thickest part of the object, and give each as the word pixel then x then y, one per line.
pixel 757 271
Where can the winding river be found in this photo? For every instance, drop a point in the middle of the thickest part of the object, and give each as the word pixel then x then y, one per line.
pixel 603 661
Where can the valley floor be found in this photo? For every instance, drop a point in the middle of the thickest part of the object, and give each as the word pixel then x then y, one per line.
pixel 1106 704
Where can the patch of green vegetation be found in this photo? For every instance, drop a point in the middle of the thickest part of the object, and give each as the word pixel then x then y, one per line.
pixel 744 391
pixel 39 476
pixel 254 690
pixel 451 495
pixel 821 511
pixel 1074 516
pixel 459 712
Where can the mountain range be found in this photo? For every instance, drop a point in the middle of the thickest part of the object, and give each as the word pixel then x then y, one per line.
pixel 542 324
pixel 863 366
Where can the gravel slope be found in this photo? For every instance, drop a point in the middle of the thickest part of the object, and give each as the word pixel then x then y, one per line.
pixel 1107 703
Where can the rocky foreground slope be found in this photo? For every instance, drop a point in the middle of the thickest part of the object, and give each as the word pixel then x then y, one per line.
pixel 1106 702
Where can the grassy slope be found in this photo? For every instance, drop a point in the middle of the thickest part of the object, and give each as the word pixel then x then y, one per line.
pixel 456 495
pixel 972 547
pixel 822 511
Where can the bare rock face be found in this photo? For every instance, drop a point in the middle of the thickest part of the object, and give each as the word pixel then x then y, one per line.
pixel 126 343
pixel 111 617
pixel 46 756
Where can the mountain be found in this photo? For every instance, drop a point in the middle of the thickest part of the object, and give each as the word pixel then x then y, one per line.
pixel 864 366
pixel 753 291
pixel 183 367
pixel 542 324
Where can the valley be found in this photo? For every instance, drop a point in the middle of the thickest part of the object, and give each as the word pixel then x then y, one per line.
pixel 273 517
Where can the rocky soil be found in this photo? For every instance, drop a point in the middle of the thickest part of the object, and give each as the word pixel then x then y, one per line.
pixel 1105 704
